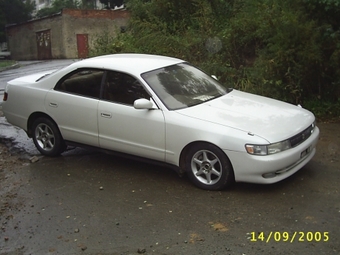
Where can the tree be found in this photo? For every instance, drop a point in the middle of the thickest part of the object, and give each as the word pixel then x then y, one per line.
pixel 14 11
pixel 57 6
pixel 288 50
pixel 88 4
pixel 111 4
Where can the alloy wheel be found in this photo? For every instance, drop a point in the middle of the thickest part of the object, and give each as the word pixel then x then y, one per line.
pixel 206 167
pixel 45 137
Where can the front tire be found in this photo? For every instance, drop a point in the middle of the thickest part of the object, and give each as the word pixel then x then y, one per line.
pixel 47 138
pixel 208 167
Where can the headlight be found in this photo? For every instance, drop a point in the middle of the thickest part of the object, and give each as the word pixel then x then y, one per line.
pixel 257 149
pixel 268 149
pixel 278 147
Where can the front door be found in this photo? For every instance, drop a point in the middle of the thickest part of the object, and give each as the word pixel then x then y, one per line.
pixel 125 129
pixel 122 127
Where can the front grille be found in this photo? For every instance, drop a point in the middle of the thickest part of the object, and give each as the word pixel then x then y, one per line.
pixel 299 138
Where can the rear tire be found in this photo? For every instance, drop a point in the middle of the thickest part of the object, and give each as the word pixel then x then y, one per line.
pixel 208 167
pixel 47 138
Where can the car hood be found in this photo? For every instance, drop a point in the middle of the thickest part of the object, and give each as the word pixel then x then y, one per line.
pixel 270 119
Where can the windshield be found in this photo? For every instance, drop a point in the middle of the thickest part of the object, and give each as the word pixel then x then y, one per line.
pixel 183 85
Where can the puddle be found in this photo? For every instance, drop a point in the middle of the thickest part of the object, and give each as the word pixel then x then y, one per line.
pixel 16 139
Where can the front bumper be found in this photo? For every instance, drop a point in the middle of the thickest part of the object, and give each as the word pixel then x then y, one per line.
pixel 273 168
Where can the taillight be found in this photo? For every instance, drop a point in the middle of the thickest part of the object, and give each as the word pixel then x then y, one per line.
pixel 5 97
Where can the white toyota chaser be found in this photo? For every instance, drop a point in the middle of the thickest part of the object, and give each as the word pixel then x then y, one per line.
pixel 165 110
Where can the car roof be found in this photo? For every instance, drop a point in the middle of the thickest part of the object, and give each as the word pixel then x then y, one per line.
pixel 129 62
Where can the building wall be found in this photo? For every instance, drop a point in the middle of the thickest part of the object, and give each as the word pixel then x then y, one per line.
pixel 91 22
pixel 22 41
pixel 64 27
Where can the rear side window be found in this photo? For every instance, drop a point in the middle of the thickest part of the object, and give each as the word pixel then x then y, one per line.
pixel 84 82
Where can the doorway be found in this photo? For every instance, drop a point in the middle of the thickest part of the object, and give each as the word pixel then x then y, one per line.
pixel 44 44
pixel 82 45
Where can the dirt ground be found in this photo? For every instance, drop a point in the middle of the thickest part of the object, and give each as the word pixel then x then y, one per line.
pixel 198 222
pixel 9 162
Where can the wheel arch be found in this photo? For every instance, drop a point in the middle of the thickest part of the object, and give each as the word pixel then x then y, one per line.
pixel 35 116
pixel 185 150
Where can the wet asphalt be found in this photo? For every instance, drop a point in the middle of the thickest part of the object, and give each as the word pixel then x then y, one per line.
pixel 86 202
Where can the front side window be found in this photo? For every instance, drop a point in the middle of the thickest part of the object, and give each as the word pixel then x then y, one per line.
pixel 183 85
pixel 84 82
pixel 123 88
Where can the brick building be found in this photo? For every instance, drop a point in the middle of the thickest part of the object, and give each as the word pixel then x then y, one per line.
pixel 68 34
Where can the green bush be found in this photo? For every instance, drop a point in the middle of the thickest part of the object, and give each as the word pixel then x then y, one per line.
pixel 288 50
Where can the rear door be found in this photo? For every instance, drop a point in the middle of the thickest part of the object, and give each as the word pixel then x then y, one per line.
pixel 73 105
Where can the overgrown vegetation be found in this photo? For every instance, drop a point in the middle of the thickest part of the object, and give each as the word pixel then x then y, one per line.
pixel 58 5
pixel 288 50
pixel 14 11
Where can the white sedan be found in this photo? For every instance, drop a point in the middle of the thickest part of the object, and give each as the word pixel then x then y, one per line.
pixel 165 110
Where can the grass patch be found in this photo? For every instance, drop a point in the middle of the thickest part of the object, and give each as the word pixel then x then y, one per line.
pixel 324 110
pixel 6 63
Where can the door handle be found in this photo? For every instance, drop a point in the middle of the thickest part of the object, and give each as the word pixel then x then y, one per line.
pixel 55 105
pixel 106 115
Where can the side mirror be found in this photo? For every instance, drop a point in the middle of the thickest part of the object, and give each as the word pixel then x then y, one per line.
pixel 214 76
pixel 143 103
